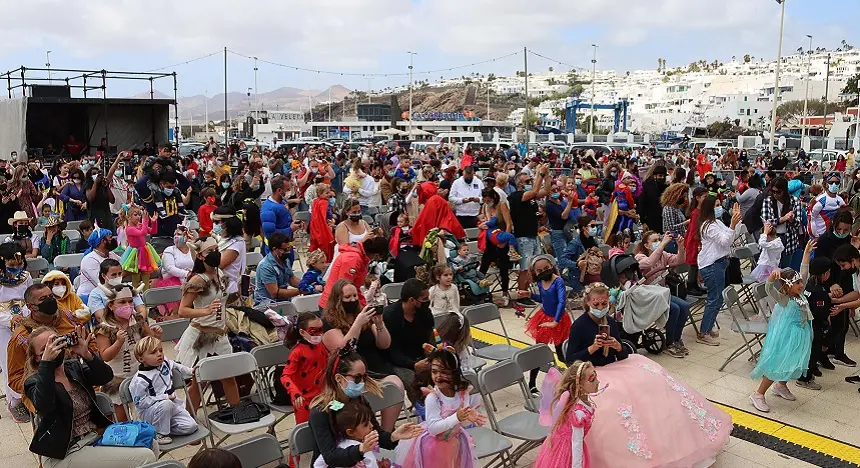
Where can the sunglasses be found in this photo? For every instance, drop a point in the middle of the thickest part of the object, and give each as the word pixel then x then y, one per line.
pixel 357 378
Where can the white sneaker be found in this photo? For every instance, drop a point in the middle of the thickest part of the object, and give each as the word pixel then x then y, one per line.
pixel 782 391
pixel 759 402
pixel 163 439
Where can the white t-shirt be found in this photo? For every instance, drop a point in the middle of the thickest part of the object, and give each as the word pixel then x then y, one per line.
pixel 234 270
pixel 369 457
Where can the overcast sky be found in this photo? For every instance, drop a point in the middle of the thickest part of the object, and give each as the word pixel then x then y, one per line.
pixel 372 36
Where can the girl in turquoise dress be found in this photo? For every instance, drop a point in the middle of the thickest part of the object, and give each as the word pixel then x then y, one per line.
pixel 785 354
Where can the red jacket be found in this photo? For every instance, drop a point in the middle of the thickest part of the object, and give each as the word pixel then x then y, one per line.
pixel 204 217
pixel 351 264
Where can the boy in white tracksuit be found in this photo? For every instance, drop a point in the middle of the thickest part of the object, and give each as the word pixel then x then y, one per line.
pixel 153 394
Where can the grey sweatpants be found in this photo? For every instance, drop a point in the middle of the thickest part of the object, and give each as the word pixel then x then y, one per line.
pixel 83 455
pixel 169 417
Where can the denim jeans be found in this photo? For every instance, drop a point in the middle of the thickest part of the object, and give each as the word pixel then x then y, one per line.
pixel 559 242
pixel 715 281
pixel 679 310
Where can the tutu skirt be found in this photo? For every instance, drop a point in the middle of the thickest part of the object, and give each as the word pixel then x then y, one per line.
pixel 550 335
pixel 143 260
pixel 761 272
pixel 451 449
pixel 647 417
pixel 785 354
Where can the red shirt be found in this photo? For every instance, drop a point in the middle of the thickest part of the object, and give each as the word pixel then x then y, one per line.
pixel 74 148
pixel 303 376
pixel 204 217
pixel 351 263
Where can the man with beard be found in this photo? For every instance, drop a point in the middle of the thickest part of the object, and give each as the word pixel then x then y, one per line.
pixel 650 209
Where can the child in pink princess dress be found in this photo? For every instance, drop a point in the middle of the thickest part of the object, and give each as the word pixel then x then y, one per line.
pixel 139 258
pixel 449 410
pixel 567 410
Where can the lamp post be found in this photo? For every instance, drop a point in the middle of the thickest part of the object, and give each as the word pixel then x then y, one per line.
pixel 806 96
pixel 776 84
pixel 256 99
pixel 593 95
pixel 411 55
pixel 48 65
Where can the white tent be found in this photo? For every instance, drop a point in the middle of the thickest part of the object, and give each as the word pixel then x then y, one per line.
pixel 391 132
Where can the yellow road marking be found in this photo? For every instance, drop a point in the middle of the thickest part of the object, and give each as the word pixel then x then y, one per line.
pixel 782 431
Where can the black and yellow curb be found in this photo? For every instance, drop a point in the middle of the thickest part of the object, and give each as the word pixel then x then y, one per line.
pixel 774 435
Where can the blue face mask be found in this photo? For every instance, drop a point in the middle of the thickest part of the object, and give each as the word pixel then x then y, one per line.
pixel 578 181
pixel 354 390
pixel 217 229
pixel 592 231
pixel 527 187
pixel 599 313
pixel 14 271
pixel 168 191
pixel 840 236
pixel 833 188
pixel 655 245
pixel 718 212
pixel 555 196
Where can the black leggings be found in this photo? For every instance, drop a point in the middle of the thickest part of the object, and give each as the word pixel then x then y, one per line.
pixel 534 372
pixel 499 255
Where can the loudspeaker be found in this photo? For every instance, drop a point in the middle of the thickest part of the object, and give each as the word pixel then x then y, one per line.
pixel 50 91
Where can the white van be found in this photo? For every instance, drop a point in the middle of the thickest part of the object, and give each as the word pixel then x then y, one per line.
pixel 459 137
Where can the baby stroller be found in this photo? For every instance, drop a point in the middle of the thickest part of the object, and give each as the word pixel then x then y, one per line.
pixel 642 310
pixel 470 291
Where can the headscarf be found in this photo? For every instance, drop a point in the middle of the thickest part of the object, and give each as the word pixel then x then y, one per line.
pixel 436 214
pixel 96 238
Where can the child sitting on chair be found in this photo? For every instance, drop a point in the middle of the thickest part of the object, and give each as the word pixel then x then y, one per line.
pixel 465 266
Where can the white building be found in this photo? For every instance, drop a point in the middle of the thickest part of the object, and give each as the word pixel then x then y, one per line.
pixel 273 125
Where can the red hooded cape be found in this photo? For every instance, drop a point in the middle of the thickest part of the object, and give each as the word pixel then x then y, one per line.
pixel 436 213
pixel 321 235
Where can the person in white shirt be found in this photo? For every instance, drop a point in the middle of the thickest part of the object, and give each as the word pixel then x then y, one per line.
pixel 466 196
pixel 368 190
pixel 713 260
pixel 102 243
pixel 825 206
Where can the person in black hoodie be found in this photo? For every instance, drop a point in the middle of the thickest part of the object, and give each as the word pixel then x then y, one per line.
pixel 62 393
pixel 818 297
pixel 649 207
pixel 345 380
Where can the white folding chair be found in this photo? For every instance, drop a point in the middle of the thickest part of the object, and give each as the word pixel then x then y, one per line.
pixel 472 233
pixel 283 308
pixel 73 234
pixel 309 303
pixel 164 464
pixel 259 450
pixel 37 266
pixel 752 332
pixel 173 329
pixel 534 357
pixel 252 259
pixel 159 296
pixel 105 405
pixel 391 291
pixel 268 358
pixel 68 260
pixel 73 225
pixel 483 313
pixel 522 425
pixel 223 367
pixel 301 440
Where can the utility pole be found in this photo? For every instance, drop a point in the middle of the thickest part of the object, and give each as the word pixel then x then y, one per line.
pixel 368 89
pixel 526 89
pixel 310 108
pixel 488 101
pixel 826 90
pixel 329 103
pixel 256 101
pixel 48 64
pixel 806 96
pixel 593 92
pixel 411 56
pixel 226 121
pixel 776 84
pixel 206 101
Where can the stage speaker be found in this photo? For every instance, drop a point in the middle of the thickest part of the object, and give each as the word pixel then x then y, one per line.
pixel 51 91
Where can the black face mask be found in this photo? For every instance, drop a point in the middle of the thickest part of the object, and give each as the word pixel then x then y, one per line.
pixel 284 256
pixel 213 259
pixel 351 307
pixel 22 232
pixel 48 306
pixel 424 306
pixel 355 217
pixel 544 275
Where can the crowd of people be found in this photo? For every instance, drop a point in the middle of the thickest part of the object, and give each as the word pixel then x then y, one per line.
pixel 605 231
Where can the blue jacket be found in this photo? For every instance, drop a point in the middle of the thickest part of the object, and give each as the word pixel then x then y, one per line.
pixel 276 218
pixel 310 279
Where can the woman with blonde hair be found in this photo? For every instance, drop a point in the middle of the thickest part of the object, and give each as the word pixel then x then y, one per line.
pixel 674 199
pixel 21 188
pixel 344 321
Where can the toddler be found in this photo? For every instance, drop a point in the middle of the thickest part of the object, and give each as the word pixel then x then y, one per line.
pixel 400 236
pixel 456 331
pixel 140 258
pixel 153 393
pixel 465 267
pixel 302 376
pixel 352 421
pixel 371 291
pixel 44 214
pixel 444 296
pixel 771 252
pixel 312 281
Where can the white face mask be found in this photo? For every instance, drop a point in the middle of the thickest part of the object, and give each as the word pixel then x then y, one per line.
pixel 59 291
pixel 115 281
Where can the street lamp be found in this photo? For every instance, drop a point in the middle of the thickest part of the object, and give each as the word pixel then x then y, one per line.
pixel 48 65
pixel 411 55
pixel 806 96
pixel 593 78
pixel 776 84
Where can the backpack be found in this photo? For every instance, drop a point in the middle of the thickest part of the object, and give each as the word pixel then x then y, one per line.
pixel 128 434
pixel 244 413
pixel 594 259
pixel 278 394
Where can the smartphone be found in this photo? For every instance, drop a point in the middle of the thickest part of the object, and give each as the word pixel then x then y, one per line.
pixel 71 339
pixel 604 330
pixel 378 308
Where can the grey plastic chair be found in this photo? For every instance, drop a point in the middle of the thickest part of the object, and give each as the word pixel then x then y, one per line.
pixel 309 303
pixel 302 216
pixel 164 464
pixel 268 358
pixel 256 451
pixel 534 357
pixel 37 266
pixel 173 329
pixel 391 395
pixel 225 367
pixel 523 425
pixel 68 260
pixel 301 440
pixel 252 259
pixel 105 405
pixel 178 441
pixel 483 313
pixel 73 234
pixel 369 220
pixel 752 332
pixel 473 248
pixel 73 225
pixel 472 233
pixel 391 291
pixel 283 308
pixel 158 296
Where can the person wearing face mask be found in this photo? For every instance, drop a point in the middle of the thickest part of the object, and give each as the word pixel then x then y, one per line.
pixel 352 263
pixel 122 326
pixel 303 375
pixel 345 378
pixel 67 301
pixel 102 243
pixel 204 299
pixel 99 193
pixel 611 176
pixel 784 211
pixel 649 207
pixel 650 394
pixel 353 229
pixel 61 389
pixel 274 213
pixel 23 235
pixel 14 280
pixel 177 263
pixel 347 321
pixel 410 323
pixel 275 280
pixel 25 192
pixel 825 206
pixel 227 228
pixel 110 275
pixel 524 217
pixel 465 194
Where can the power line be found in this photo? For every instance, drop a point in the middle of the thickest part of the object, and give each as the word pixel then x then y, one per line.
pixel 327 72
pixel 556 61
pixel 184 63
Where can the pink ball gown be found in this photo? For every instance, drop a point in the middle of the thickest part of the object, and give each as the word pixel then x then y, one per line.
pixel 566 446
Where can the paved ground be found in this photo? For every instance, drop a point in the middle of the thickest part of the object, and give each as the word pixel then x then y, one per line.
pixel 832 412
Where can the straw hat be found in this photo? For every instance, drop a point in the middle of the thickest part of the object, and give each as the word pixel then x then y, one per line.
pixel 54 221
pixel 19 216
